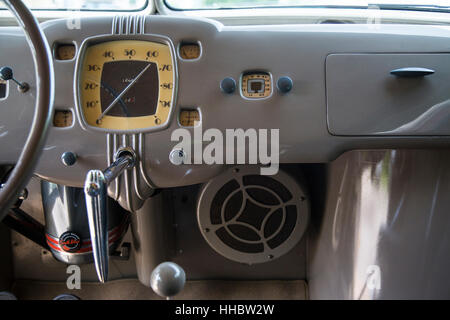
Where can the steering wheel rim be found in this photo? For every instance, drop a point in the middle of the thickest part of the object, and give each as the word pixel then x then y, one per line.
pixel 43 62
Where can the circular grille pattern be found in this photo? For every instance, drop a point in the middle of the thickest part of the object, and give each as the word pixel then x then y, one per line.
pixel 250 218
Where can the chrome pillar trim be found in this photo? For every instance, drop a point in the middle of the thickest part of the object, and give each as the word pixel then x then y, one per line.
pixel 128 24
pixel 133 187
pixel 95 191
pixel 141 149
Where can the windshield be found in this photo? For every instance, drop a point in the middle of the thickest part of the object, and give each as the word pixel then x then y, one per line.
pixel 101 5
pixel 434 5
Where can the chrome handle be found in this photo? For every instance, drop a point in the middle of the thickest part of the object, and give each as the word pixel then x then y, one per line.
pixel 95 189
pixel 412 72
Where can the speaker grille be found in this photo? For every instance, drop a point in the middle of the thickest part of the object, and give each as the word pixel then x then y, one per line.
pixel 251 218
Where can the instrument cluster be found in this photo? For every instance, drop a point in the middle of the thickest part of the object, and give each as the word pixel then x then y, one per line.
pixel 126 84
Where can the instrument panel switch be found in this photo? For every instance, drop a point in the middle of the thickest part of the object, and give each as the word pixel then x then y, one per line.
pixel 228 85
pixel 285 84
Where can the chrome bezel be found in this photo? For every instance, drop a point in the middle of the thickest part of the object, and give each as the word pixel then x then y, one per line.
pixel 106 38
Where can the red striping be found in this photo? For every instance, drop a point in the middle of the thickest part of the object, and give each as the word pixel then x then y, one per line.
pixel 114 235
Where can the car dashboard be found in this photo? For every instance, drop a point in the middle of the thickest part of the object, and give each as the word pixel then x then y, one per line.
pixel 322 115
pixel 129 83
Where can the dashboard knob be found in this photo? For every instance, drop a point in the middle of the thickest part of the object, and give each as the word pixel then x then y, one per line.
pixel 69 158
pixel 285 84
pixel 228 85
pixel 168 279
pixel 177 157
pixel 6 74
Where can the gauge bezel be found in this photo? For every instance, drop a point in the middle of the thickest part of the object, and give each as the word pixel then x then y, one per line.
pixel 106 38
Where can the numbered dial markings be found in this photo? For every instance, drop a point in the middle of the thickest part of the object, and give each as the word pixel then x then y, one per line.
pixel 127 85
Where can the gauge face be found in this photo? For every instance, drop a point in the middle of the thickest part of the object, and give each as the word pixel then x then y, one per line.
pixel 189 51
pixel 3 89
pixel 65 52
pixel 63 118
pixel 189 118
pixel 256 85
pixel 127 85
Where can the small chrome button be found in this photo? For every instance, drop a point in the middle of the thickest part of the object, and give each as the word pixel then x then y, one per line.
pixel 68 158
pixel 177 157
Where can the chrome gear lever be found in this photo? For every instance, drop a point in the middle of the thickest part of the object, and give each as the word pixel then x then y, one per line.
pixel 95 189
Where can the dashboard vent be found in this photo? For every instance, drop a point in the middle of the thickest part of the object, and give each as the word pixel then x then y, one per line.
pixel 250 218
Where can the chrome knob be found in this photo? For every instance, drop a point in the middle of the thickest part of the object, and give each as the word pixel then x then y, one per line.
pixel 177 157
pixel 69 158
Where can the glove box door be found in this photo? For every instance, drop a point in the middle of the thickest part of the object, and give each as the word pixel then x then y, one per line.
pixel 388 94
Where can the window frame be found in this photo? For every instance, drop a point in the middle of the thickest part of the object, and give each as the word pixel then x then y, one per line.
pixel 45 14
pixel 291 15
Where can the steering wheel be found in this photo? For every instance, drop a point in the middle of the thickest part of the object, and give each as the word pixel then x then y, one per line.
pixel 43 62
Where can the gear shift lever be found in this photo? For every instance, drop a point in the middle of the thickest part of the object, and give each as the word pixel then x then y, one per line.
pixel 95 189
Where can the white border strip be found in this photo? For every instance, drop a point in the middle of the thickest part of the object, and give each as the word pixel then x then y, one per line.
pixel 308 15
pixel 43 15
